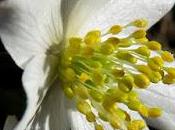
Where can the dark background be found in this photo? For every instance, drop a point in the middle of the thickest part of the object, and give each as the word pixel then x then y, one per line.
pixel 12 95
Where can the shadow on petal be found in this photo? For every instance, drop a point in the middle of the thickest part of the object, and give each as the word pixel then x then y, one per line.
pixel 52 114
pixel 6 15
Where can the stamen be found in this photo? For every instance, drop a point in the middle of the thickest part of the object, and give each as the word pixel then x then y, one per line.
pixel 153 45
pixel 143 50
pixel 140 23
pixel 141 80
pixel 92 38
pixel 167 56
pixel 136 125
pixel 138 34
pixel 98 127
pixel 154 112
pixel 115 29
pixel 101 71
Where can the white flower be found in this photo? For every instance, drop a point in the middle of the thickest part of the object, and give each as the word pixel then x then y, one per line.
pixel 35 32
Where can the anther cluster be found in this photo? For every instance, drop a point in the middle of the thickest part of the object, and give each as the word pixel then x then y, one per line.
pixel 101 71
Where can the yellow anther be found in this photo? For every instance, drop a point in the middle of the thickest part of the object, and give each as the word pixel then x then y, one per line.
pixel 138 34
pixel 120 113
pixel 107 49
pixel 168 79
pixel 155 77
pixel 83 107
pixel 98 78
pixel 124 55
pixel 167 56
pixel 155 63
pixel 141 23
pixel 118 72
pixel 143 50
pixel 98 127
pixel 115 29
pixel 136 125
pixel 97 96
pixel 152 75
pixel 88 51
pixel 144 69
pixel 126 83
pixel 154 112
pixel 74 45
pixel 103 116
pixel 143 110
pixel 92 38
pixel 108 102
pixel 171 72
pixel 141 80
pixel 132 96
pixel 84 77
pixel 134 105
pixel 70 74
pixel 142 40
pixel 115 123
pixel 68 92
pixel 90 117
pixel 116 95
pixel 153 45
pixel 113 109
pixel 81 91
pixel 125 42
pixel 113 40
pixel 75 42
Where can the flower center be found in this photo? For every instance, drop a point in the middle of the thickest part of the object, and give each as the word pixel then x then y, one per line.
pixel 101 71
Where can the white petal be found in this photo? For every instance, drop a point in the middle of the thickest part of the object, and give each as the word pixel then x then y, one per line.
pixel 90 14
pixel 76 119
pixel 38 76
pixel 162 96
pixel 10 123
pixel 52 114
pixel 30 27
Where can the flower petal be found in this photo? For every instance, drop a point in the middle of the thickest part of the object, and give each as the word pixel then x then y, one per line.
pixel 162 96
pixel 29 27
pixel 90 14
pixel 52 114
pixel 10 123
pixel 38 76
pixel 75 116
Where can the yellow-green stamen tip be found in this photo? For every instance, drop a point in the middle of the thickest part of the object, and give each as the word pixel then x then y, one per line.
pixel 153 45
pixel 140 23
pixel 136 125
pixel 100 71
pixel 92 38
pixel 139 34
pixel 115 29
pixel 167 56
